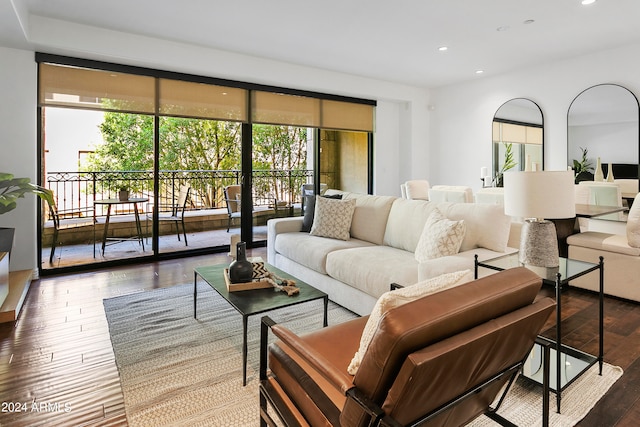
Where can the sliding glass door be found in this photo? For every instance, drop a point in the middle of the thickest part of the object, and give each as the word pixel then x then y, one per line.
pixel 345 160
pixel 168 163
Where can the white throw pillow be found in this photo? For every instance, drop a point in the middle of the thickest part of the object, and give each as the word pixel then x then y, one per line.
pixel 401 296
pixel 332 218
pixel 633 223
pixel 440 237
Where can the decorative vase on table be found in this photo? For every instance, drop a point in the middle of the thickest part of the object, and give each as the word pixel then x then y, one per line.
pixel 610 176
pixel 123 195
pixel 598 175
pixel 241 270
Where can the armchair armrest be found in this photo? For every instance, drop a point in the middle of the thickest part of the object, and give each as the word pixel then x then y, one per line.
pixel 378 417
pixel 338 378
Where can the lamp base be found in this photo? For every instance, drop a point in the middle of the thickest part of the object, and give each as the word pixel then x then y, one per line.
pixel 539 243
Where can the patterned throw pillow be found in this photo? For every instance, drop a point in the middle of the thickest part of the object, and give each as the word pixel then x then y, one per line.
pixel 440 237
pixel 332 218
pixel 401 296
pixel 310 210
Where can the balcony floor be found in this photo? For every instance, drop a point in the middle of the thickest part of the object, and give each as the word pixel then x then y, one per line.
pixel 80 254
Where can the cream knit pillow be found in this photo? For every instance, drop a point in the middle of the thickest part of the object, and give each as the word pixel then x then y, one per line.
pixel 401 296
pixel 633 224
pixel 440 237
pixel 332 218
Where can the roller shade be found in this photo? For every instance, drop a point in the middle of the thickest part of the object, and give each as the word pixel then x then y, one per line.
pixel 65 86
pixel 518 134
pixel 201 100
pixel 282 109
pixel 513 133
pixel 346 116
pixel 88 88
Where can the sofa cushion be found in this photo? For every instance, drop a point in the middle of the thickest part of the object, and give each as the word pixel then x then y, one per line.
pixel 603 242
pixel 372 269
pixel 487 226
pixel 440 237
pixel 405 223
pixel 311 251
pixel 633 223
pixel 333 218
pixel 618 243
pixel 395 298
pixel 370 216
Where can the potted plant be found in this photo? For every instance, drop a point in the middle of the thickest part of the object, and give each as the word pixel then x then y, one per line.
pixel 583 167
pixel 509 163
pixel 123 193
pixel 12 189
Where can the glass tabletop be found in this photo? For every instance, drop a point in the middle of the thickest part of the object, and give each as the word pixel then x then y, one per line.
pixel 568 268
pixel 573 363
pixel 258 300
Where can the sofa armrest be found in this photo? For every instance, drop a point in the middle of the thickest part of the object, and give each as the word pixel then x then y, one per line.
pixel 341 380
pixel 277 226
pixel 460 261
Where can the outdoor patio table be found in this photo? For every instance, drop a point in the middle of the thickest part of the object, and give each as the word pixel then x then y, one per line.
pixel 110 202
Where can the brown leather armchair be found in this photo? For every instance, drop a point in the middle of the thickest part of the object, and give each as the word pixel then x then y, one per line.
pixel 441 359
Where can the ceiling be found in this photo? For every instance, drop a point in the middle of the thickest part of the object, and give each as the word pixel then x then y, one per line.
pixel 392 41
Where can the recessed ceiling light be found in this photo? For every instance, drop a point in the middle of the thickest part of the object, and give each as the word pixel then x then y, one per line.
pixel 442 48
pixel 479 71
pixel 586 2
pixel 503 28
pixel 529 21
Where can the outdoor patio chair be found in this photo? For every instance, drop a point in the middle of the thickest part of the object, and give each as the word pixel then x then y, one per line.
pixel 61 223
pixel 175 211
pixel 232 195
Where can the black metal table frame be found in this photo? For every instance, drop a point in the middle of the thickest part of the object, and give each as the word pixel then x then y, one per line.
pixel 560 348
pixel 111 202
pixel 245 317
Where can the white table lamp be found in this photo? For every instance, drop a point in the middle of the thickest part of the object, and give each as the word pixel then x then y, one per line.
pixel 536 197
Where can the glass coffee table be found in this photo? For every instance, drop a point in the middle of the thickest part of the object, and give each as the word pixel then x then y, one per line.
pixel 570 362
pixel 254 301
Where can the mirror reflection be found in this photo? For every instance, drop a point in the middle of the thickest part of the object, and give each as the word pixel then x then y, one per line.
pixel 517 138
pixel 603 134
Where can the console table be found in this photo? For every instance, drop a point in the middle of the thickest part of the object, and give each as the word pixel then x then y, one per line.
pixel 559 277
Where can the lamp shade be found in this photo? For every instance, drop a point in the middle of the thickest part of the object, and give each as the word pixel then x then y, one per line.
pixel 541 194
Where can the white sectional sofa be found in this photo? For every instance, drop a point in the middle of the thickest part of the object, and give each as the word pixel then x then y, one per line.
pixel 384 234
pixel 621 254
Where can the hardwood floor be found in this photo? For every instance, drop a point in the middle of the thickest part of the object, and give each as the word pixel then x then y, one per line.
pixel 59 353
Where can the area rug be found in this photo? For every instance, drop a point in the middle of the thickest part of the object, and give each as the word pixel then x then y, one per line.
pixel 176 370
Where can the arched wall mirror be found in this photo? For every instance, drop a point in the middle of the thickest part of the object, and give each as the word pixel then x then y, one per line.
pixel 603 122
pixel 518 137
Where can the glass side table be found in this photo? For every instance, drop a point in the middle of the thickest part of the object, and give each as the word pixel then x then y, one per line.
pixel 570 362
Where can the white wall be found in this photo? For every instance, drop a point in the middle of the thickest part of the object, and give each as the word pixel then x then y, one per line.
pixel 18 147
pixel 460 131
pixel 400 118
pixel 609 141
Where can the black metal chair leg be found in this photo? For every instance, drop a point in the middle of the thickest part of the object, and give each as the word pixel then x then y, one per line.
pixel 184 232
pixel 53 245
pixel 177 229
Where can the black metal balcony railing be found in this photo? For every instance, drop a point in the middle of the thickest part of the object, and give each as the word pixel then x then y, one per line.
pixel 75 191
